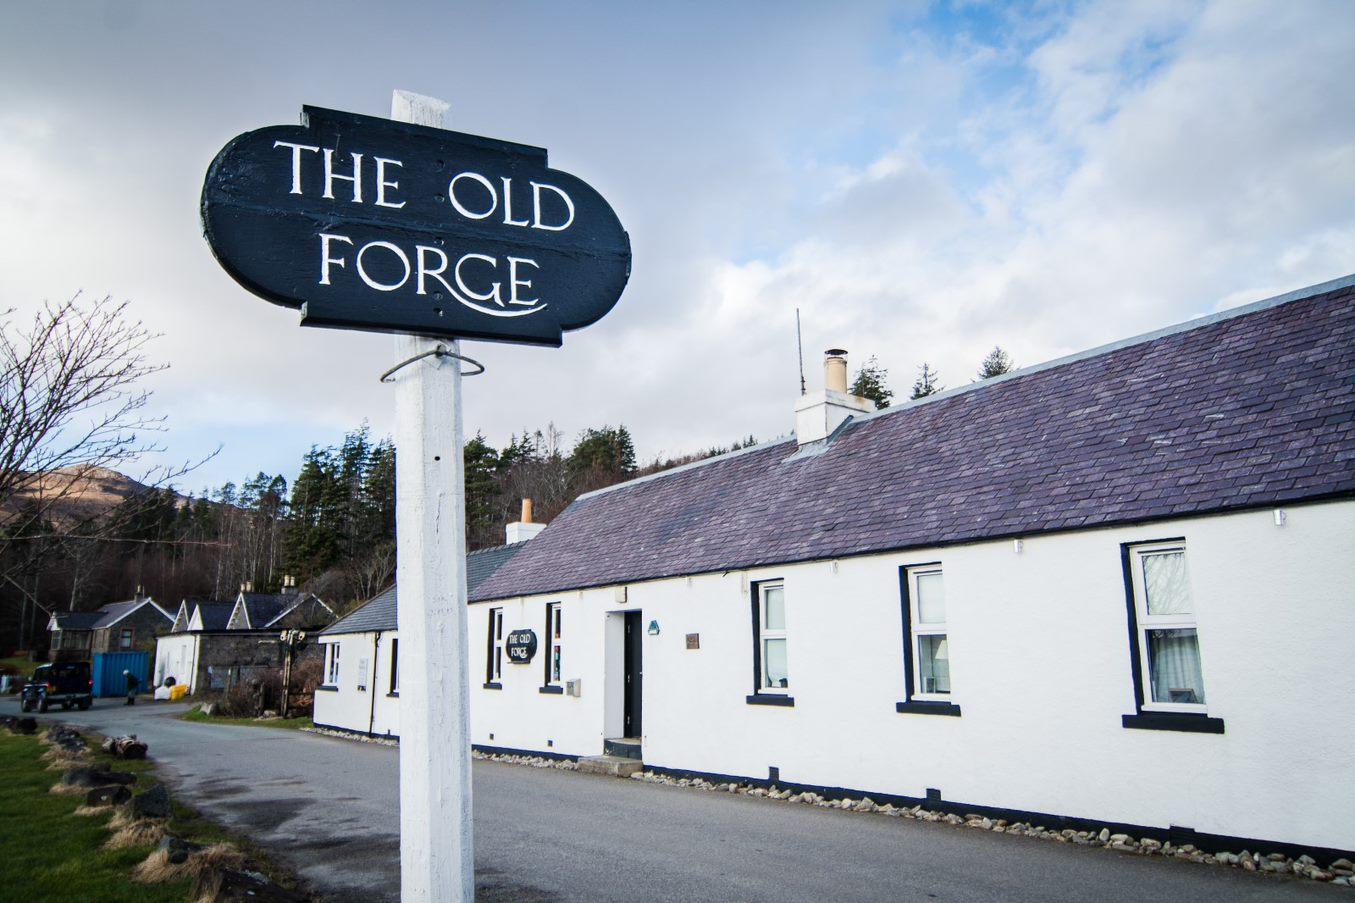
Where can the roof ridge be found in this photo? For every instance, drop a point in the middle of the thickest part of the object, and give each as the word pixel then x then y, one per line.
pixel 1230 313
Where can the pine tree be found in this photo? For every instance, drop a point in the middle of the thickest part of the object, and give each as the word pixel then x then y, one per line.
pixel 871 383
pixel 928 382
pixel 601 457
pixel 996 363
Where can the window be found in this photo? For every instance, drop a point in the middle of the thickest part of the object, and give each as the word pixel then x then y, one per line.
pixel 56 640
pixel 1164 645
pixel 125 638
pixel 553 644
pixel 926 642
pixel 395 665
pixel 771 670
pixel 494 655
pixel 332 664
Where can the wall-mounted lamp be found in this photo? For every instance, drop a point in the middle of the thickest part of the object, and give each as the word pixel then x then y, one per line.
pixel 653 628
pixel 1018 546
pixel 1279 517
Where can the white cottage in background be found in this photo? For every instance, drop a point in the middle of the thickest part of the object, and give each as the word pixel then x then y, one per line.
pixel 361 690
pixel 1114 589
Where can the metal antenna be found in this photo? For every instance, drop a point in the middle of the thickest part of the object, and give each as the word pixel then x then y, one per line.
pixel 800 350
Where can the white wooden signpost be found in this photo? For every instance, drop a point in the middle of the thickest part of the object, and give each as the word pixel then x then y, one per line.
pixel 402 226
pixel 437 848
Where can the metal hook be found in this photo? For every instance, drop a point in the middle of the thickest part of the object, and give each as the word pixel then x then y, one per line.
pixel 440 351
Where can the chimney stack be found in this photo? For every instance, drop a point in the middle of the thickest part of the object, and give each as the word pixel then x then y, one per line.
pixel 817 414
pixel 525 529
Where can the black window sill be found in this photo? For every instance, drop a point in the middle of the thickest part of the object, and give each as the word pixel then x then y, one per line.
pixel 919 707
pixel 770 699
pixel 1174 721
pixel 491 685
pixel 328 689
pixel 550 688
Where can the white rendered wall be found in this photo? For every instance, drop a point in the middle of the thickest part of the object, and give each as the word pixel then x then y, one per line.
pixel 1040 667
pixel 176 656
pixel 366 708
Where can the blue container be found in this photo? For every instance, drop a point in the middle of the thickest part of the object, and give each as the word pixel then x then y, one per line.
pixel 108 668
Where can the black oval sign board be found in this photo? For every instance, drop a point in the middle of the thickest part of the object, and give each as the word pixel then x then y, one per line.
pixel 367 223
pixel 521 646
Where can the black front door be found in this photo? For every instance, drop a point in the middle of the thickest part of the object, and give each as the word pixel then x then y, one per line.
pixel 634 672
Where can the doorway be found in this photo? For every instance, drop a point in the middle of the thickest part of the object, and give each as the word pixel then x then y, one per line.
pixel 634 679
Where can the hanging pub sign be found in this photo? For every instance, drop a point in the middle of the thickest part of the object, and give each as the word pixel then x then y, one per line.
pixel 521 646
pixel 367 223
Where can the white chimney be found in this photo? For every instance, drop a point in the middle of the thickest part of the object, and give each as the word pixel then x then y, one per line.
pixel 523 530
pixel 817 414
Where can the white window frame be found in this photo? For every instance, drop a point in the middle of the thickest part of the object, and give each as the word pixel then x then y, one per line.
pixel 332 665
pixel 495 665
pixel 554 645
pixel 125 638
pixel 917 629
pixel 1144 622
pixel 764 634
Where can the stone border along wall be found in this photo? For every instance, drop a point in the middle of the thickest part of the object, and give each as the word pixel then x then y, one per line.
pixel 1340 871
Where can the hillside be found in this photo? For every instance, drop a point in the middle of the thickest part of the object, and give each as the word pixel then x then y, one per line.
pixel 79 493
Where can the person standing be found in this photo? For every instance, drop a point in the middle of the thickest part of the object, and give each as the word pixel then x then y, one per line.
pixel 132 686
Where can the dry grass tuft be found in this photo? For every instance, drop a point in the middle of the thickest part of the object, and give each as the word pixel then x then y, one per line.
pixel 144 833
pixel 58 759
pixel 69 790
pixel 158 869
pixel 91 811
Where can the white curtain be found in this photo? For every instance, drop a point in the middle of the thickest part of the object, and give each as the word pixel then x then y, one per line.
pixel 1174 660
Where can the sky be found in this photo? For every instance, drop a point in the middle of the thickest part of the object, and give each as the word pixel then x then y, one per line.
pixel 921 180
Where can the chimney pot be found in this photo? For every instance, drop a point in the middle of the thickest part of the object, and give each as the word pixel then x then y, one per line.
pixel 835 370
pixel 817 414
pixel 525 529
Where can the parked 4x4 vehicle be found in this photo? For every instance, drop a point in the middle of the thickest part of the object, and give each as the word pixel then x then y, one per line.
pixel 64 683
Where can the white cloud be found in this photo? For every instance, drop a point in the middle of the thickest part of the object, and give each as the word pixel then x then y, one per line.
pixel 1060 179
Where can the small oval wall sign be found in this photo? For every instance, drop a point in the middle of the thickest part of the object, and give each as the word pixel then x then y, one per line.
pixel 521 646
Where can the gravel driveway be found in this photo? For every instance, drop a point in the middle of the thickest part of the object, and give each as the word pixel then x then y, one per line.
pixel 329 807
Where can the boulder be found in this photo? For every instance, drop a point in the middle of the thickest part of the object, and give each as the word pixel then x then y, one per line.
pixel 108 795
pixel 238 886
pixel 154 803
pixel 177 849
pixel 90 776
pixel 23 725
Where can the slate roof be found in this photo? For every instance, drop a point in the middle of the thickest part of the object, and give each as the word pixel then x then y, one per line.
pixel 380 612
pixel 76 620
pixel 215 615
pixel 106 616
pixel 264 607
pixel 1251 407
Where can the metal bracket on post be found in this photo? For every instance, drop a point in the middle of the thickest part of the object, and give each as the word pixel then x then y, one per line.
pixel 440 351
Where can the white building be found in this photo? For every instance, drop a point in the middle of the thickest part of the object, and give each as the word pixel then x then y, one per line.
pixel 361 690
pixel 1114 589
pixel 214 645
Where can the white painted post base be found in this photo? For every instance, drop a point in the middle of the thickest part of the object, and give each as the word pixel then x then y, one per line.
pixel 437 852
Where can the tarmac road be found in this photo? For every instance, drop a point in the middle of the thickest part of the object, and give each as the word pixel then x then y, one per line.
pixel 329 807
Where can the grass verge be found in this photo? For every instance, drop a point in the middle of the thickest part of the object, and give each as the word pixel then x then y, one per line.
pixel 296 723
pixel 54 848
pixel 47 853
